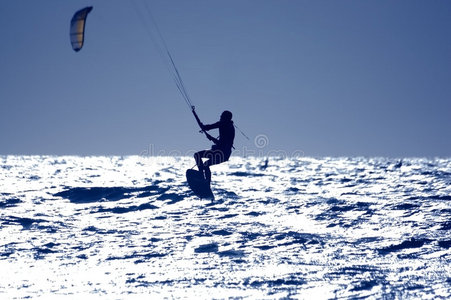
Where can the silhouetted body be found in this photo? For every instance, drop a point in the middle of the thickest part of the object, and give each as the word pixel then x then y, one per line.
pixel 222 148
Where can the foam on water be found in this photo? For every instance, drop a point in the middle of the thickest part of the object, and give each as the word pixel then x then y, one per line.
pixel 119 227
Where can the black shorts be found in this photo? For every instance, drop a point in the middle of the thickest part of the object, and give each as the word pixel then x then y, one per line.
pixel 214 156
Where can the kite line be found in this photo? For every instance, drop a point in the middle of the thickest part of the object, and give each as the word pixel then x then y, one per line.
pixel 158 40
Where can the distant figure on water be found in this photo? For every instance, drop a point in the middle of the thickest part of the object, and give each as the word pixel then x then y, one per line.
pixel 222 148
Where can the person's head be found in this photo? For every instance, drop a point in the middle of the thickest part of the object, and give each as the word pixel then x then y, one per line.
pixel 226 116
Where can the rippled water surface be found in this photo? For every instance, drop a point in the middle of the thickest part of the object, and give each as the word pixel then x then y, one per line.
pixel 118 227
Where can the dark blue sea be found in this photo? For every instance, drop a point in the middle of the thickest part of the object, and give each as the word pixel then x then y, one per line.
pixel 301 228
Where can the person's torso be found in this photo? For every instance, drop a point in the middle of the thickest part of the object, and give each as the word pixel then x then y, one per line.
pixel 226 135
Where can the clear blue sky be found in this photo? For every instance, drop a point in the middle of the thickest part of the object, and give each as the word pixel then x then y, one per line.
pixel 339 78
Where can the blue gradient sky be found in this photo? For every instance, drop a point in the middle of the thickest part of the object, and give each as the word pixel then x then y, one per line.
pixel 339 78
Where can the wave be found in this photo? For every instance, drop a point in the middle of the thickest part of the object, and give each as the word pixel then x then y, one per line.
pixel 102 194
pixel 409 244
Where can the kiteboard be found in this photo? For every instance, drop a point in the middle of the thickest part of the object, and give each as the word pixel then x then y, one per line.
pixel 198 184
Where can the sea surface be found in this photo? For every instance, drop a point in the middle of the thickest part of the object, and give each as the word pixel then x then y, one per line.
pixel 303 228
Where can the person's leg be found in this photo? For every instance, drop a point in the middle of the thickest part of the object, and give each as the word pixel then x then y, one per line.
pixel 207 174
pixel 214 157
pixel 198 158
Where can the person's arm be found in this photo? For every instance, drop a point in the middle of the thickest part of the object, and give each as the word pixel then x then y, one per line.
pixel 211 126
pixel 201 125
pixel 214 140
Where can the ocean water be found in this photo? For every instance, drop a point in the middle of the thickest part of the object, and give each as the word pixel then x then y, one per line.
pixel 307 228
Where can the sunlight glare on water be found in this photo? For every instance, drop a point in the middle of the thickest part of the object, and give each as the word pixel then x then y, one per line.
pixel 123 227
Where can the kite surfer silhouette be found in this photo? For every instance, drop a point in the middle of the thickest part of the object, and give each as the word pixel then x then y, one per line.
pixel 222 148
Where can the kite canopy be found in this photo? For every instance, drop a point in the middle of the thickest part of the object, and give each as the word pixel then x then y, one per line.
pixel 77 28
